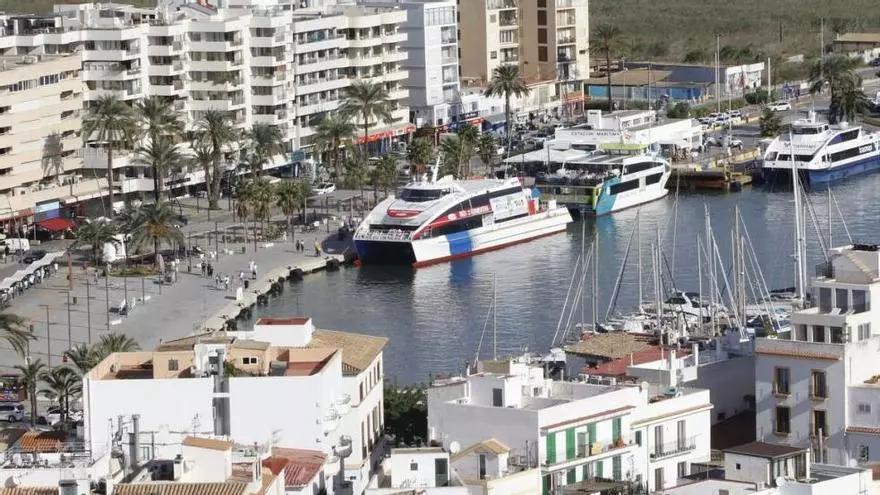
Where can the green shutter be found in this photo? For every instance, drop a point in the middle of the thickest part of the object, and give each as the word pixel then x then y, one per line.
pixel 616 467
pixel 599 468
pixel 551 448
pixel 591 432
pixel 545 482
pixel 570 447
pixel 570 477
pixel 586 474
pixel 615 429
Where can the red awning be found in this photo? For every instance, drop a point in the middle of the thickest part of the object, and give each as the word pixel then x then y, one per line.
pixel 56 224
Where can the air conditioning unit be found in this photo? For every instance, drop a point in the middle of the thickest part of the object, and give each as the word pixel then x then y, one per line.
pixel 19 191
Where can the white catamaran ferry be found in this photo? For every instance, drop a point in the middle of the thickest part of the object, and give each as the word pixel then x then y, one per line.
pixel 603 182
pixel 440 220
pixel 822 153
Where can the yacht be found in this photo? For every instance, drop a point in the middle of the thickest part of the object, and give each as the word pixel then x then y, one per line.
pixel 607 181
pixel 432 221
pixel 822 153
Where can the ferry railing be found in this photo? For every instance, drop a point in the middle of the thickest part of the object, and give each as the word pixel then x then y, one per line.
pixel 383 235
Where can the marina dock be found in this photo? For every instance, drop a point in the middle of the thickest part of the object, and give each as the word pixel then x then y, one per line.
pixel 721 174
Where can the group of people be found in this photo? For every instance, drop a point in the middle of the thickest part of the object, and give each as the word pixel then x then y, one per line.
pixel 301 247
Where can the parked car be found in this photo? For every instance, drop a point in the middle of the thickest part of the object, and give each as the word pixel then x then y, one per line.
pixel 32 256
pixel 779 106
pixel 325 188
pixel 875 62
pixel 11 411
pixel 52 416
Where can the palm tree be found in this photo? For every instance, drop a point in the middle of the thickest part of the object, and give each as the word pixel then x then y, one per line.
pixel 367 101
pixel 83 356
pixel 30 378
pixel 157 118
pixel 507 82
pixel 216 129
pixel 157 226
pixel 486 149
pixel 162 155
pixel 261 202
pixel 96 234
pixel 453 149
pixel 420 153
pixel 114 342
pixel 837 72
pixel 605 42
pixel 265 141
pixel 331 133
pixel 243 197
pixel 356 170
pixel 109 120
pixel 289 196
pixel 852 99
pixel 61 383
pixel 203 156
pixel 14 331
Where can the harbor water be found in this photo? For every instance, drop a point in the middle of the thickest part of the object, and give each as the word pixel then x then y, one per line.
pixel 435 316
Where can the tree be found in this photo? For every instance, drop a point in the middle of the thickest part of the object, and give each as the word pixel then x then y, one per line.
pixel 384 175
pixel 681 110
pixel 203 156
pixel 487 147
pixel 836 71
pixel 770 123
pixel 356 170
pixel 331 133
pixel 244 196
pixel 61 384
pixel 216 129
pixel 507 82
pixel 162 155
pixel 157 118
pixel 605 42
pixel 367 101
pixel 289 197
pixel 406 414
pixel 114 342
pixel 157 225
pixel 14 332
pixel 263 195
pixel 95 234
pixel 265 141
pixel 453 151
pixel 83 356
pixel 30 378
pixel 420 153
pixel 109 121
pixel 852 99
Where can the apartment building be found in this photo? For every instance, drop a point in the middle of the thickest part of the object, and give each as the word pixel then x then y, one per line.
pixel 547 39
pixel 41 174
pixel 284 382
pixel 577 433
pixel 820 389
pixel 257 61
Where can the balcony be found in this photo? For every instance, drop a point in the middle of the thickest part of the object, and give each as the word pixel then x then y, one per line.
pixel 330 421
pixel 590 451
pixel 502 4
pixel 343 405
pixel 343 448
pixel 672 449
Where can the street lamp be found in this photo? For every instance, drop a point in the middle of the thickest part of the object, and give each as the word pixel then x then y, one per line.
pixel 48 337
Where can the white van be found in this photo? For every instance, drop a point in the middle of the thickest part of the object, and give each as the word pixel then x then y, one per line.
pixel 11 411
pixel 17 245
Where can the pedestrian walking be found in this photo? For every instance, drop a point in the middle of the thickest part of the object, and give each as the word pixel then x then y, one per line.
pixel 203 267
pixel 210 270
pixel 241 277
pixel 254 272
pixel 317 249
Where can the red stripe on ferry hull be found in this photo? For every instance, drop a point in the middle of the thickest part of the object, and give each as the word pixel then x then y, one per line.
pixel 422 264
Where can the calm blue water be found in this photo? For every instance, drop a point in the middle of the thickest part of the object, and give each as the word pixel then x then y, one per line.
pixel 434 316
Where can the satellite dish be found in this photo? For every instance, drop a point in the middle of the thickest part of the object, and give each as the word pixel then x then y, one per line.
pixel 780 481
pixel 454 447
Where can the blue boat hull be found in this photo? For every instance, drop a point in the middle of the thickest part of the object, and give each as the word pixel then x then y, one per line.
pixel 818 177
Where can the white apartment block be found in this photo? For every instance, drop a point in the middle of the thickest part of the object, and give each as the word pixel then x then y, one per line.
pixel 821 388
pixel 575 432
pixel 547 39
pixel 258 61
pixel 41 173
pixel 293 385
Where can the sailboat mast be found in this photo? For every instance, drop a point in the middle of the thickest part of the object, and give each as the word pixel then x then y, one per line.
pixel 596 278
pixel 830 231
pixel 584 262
pixel 700 280
pixel 710 267
pixel 796 189
pixel 639 247
pixel 494 317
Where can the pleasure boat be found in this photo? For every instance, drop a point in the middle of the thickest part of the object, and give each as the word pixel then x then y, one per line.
pixel 822 153
pixel 616 177
pixel 432 221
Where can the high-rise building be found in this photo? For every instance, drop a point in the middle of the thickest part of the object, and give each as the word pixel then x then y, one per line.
pixel 260 62
pixel 547 39
pixel 40 141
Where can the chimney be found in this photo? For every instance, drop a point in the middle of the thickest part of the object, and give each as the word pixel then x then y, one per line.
pixel 673 364
pixel 136 441
pixel 695 349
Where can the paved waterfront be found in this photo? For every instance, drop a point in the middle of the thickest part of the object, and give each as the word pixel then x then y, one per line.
pixel 169 310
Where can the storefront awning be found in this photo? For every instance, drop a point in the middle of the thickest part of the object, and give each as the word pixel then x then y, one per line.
pixel 56 224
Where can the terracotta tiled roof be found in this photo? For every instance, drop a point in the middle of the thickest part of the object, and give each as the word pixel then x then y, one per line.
pixel 172 488
pixel 300 466
pixel 490 446
pixel 859 38
pixel 799 354
pixel 613 345
pixel 9 436
pixel 207 443
pixel 358 351
pixel 617 367
pixel 866 430
pixel 42 441
pixel 30 490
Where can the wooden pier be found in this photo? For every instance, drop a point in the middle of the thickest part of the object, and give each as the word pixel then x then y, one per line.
pixel 720 174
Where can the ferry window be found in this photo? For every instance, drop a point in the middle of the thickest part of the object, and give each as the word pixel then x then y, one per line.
pixel 860 301
pixel 771 156
pixel 806 130
pixel 824 299
pixel 639 167
pixel 624 186
pixel 653 179
pixel 420 195
pixel 843 155
pixel 842 299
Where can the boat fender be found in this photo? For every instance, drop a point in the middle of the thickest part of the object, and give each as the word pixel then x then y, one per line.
pixel 296 274
pixel 332 265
